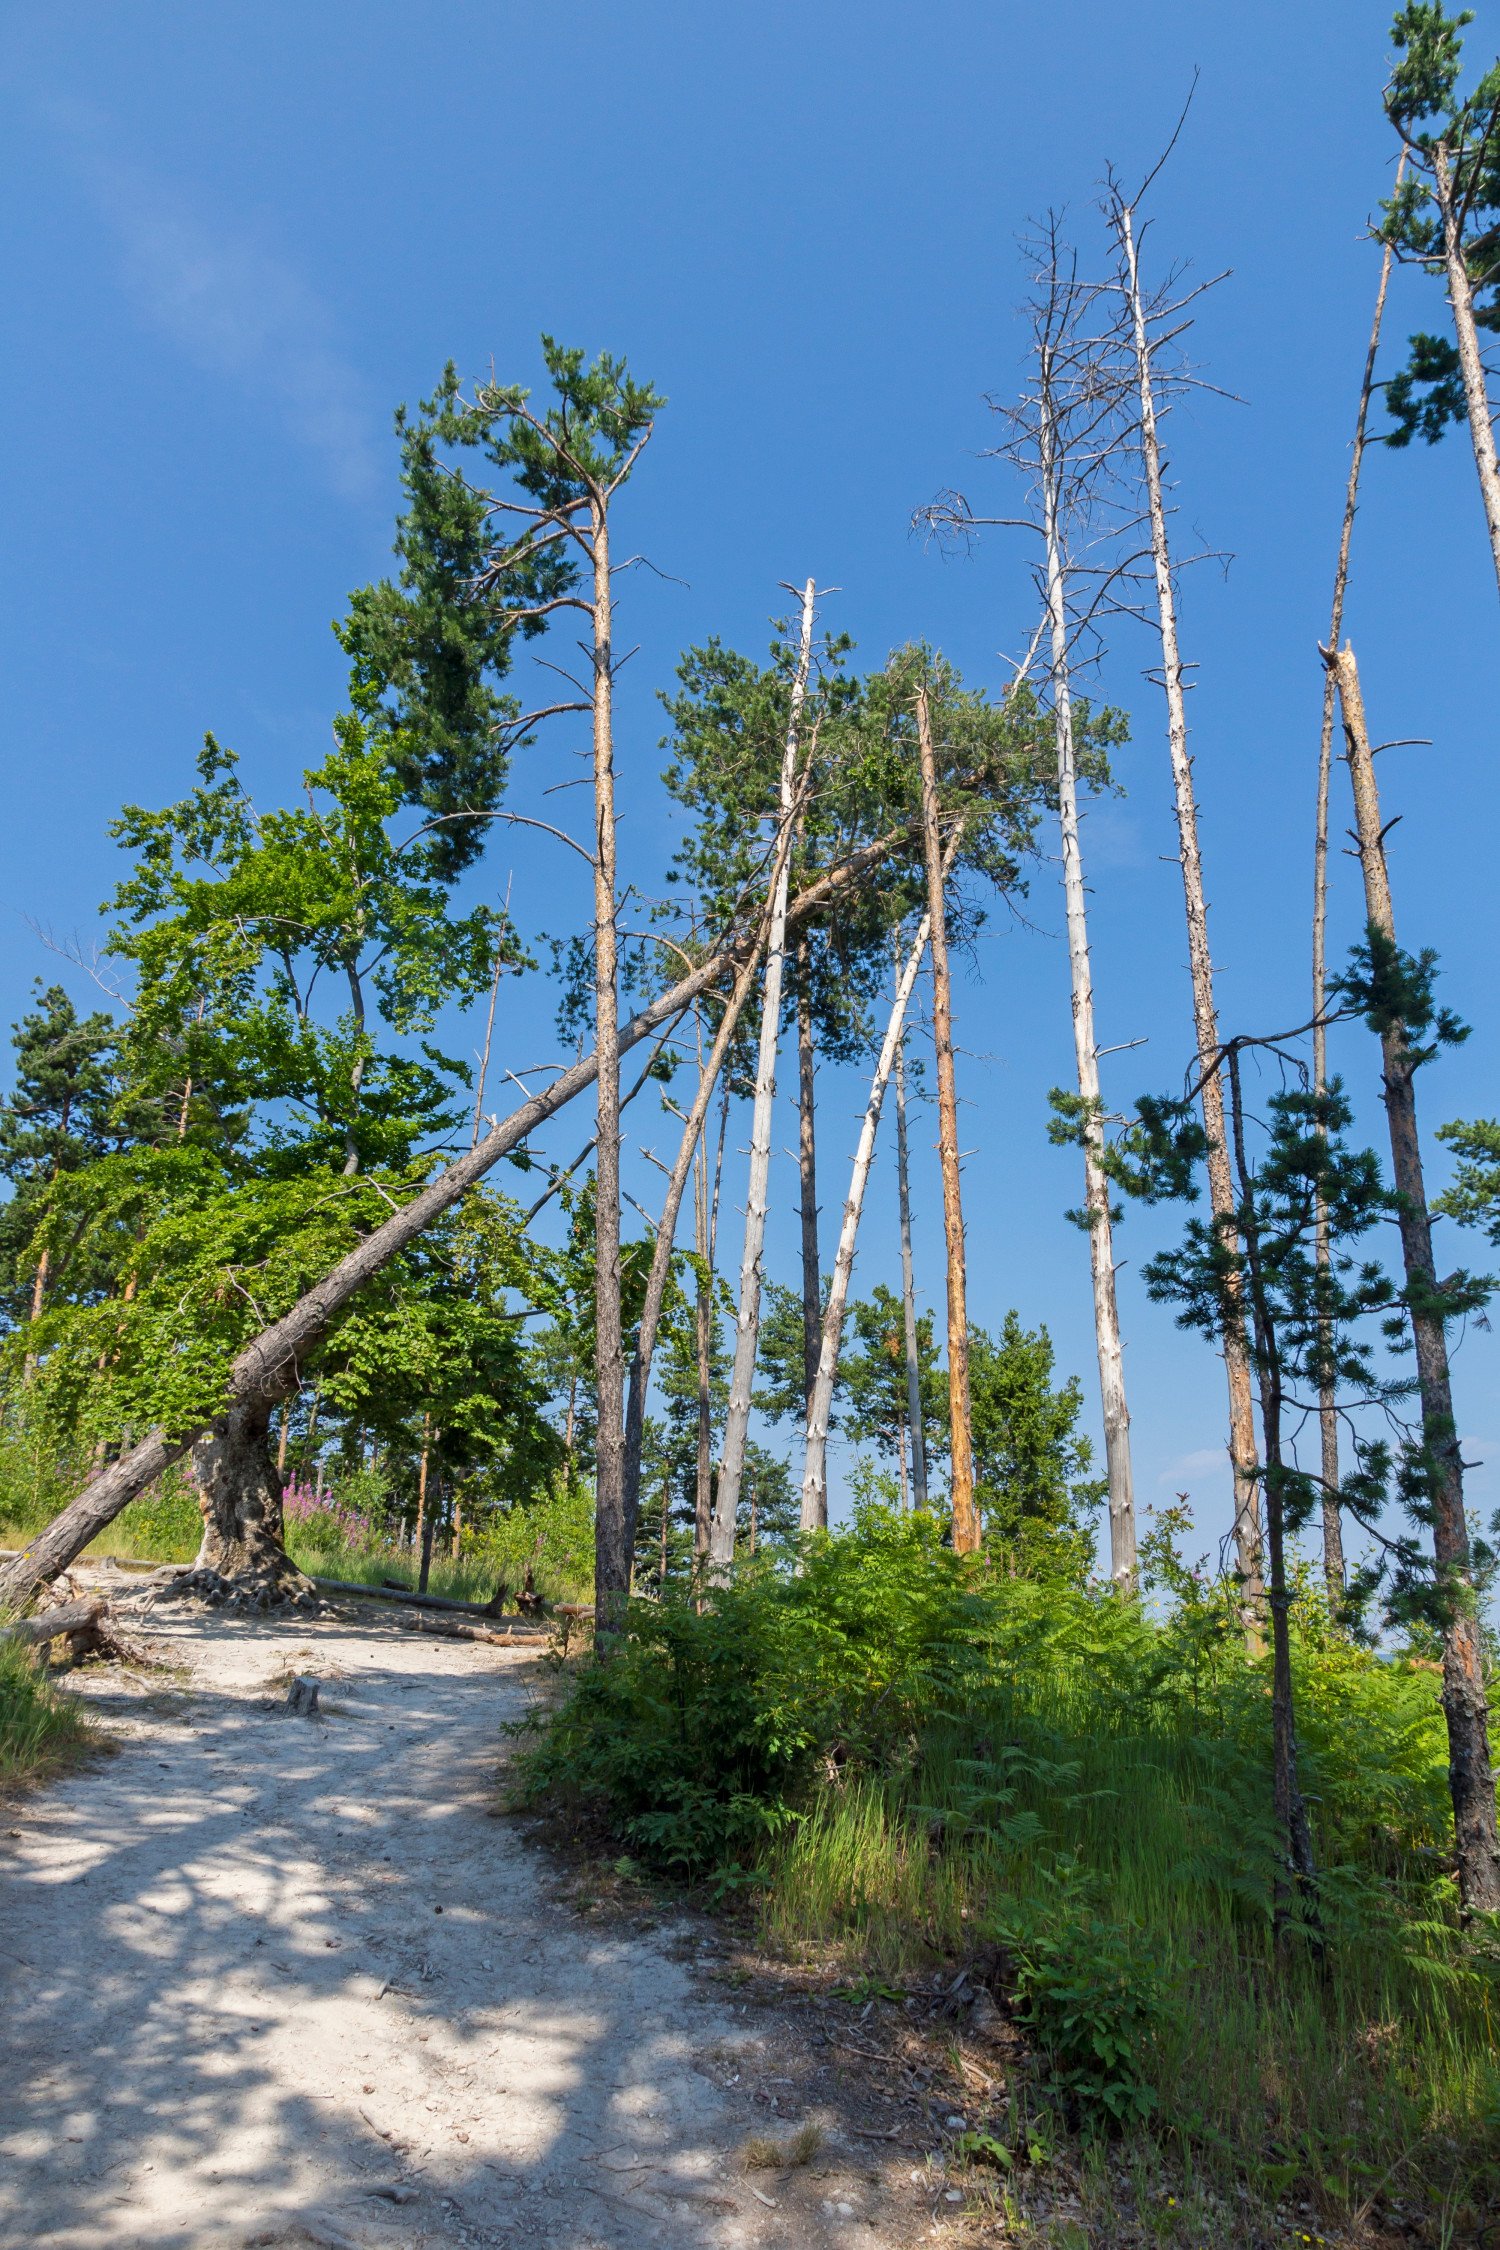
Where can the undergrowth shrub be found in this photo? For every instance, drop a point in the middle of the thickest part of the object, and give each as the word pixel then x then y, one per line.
pixel 912 1753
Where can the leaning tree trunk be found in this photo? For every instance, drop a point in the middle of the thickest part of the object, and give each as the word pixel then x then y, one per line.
pixel 611 1531
pixel 914 1417
pixel 1122 1557
pixel 966 1532
pixel 1205 1012
pixel 270 1366
pixel 1471 1777
pixel 1328 1416
pixel 747 1321
pixel 1466 335
pixel 815 1467
pixel 241 1559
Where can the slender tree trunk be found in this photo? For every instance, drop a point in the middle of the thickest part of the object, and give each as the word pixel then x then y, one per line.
pixel 1328 1416
pixel 1299 1874
pixel 909 1294
pixel 1205 1012
pixel 422 1477
pixel 747 1323
pixel 1116 1414
pixel 611 1532
pixel 666 1517
pixel 1466 334
pixel 807 1167
pixel 666 1231
pixel 1470 1774
pixel 815 1467
pixel 901 1477
pixel 281 1442
pixel 966 1528
pixel 489 1026
pixel 269 1366
pixel 708 1239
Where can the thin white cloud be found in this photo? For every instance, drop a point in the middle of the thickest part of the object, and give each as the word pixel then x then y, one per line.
pixel 1189 1465
pixel 237 309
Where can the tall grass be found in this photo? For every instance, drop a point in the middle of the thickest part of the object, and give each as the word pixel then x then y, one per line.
pixel 40 1730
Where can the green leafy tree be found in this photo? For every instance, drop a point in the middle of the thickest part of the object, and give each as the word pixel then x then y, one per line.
pixel 58 1119
pixel 1031 1461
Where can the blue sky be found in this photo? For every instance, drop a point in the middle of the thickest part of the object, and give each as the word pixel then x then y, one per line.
pixel 237 236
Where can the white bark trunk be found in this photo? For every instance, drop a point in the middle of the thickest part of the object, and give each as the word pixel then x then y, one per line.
pixel 1242 1444
pixel 815 1468
pixel 1466 335
pixel 909 1293
pixel 1122 1557
pixel 747 1321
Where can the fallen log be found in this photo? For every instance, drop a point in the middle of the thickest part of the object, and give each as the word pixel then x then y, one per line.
pixel 404 1595
pixel 70 1617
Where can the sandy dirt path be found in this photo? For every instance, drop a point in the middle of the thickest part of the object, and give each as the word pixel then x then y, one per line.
pixel 275 1980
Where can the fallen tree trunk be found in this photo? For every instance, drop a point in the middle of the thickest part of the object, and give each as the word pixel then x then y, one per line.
pixel 415 1601
pixel 70 1617
pixel 271 1365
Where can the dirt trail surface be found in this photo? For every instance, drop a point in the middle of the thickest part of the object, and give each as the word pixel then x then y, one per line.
pixel 271 1979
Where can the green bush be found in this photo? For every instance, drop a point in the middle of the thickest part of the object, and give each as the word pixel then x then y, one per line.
pixel 1087 1991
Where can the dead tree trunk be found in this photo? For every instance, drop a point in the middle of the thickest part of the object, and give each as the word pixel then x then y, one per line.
pixel 1205 1012
pixel 1471 1777
pixel 815 1467
pixel 966 1533
pixel 747 1322
pixel 1466 336
pixel 270 1366
pixel 914 1417
pixel 1328 1416
pixel 807 1171
pixel 1116 1414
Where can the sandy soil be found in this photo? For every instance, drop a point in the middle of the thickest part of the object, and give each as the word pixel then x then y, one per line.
pixel 270 1979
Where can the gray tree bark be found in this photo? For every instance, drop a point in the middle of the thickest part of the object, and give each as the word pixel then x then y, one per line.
pixel 914 1418
pixel 1242 1447
pixel 1116 1413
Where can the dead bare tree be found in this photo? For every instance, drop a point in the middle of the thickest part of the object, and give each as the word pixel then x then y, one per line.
pixel 1471 1777
pixel 1328 1413
pixel 1152 326
pixel 747 1322
pixel 1066 435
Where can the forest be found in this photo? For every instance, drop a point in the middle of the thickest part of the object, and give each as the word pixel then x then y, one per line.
pixel 872 1650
